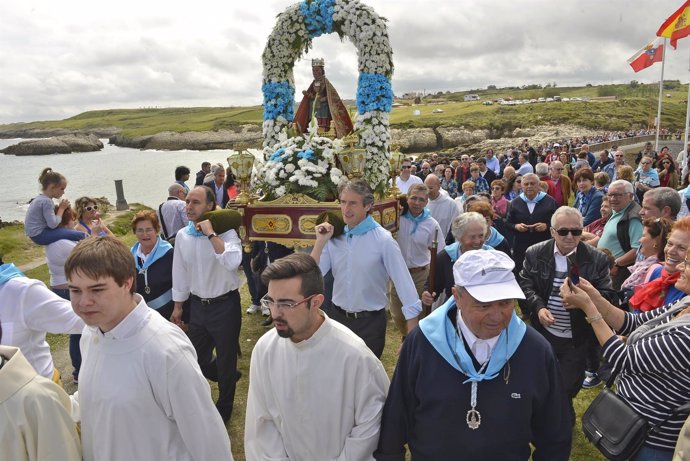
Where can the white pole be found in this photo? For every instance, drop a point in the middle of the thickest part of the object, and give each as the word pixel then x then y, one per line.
pixel 661 94
pixel 684 167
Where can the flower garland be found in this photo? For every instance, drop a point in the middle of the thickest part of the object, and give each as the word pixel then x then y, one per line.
pixel 304 161
pixel 291 37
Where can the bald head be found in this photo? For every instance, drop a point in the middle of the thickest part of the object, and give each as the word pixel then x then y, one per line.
pixel 433 183
pixel 176 190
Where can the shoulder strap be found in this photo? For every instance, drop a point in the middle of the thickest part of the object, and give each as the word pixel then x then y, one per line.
pixel 160 216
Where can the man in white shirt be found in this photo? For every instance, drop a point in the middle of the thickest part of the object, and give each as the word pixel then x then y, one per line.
pixel 492 162
pixel 443 208
pixel 418 229
pixel 362 261
pixel 173 212
pixel 525 166
pixel 406 178
pixel 141 393
pixel 205 268
pixel 316 391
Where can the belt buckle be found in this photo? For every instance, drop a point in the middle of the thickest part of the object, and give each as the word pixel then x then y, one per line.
pixel 205 301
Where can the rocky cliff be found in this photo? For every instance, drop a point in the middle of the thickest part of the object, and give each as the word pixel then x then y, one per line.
pixel 56 145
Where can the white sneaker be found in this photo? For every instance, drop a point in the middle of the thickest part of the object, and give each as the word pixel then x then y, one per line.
pixel 265 312
pixel 253 309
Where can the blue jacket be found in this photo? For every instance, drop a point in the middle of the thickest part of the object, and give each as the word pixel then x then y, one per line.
pixel 592 210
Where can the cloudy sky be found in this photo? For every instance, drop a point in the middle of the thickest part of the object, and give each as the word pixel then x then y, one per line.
pixel 58 59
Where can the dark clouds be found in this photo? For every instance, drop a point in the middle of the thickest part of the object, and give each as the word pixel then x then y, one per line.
pixel 62 58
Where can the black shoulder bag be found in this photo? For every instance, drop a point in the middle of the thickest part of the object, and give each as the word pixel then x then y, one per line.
pixel 614 428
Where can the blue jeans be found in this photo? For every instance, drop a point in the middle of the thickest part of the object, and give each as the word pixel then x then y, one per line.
pixel 74 351
pixel 648 453
pixel 48 236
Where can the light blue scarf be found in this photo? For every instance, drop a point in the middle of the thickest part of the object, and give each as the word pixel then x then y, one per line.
pixel 535 200
pixel 193 231
pixel 454 250
pixel 161 248
pixel 425 214
pixel 444 337
pixel 362 228
pixel 9 271
pixel 495 238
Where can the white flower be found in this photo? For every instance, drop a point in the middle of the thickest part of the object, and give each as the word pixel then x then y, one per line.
pixel 289 167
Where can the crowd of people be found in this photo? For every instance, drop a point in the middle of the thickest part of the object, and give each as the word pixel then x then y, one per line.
pixel 514 281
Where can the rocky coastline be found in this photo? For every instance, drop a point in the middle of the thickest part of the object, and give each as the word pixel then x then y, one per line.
pixel 448 139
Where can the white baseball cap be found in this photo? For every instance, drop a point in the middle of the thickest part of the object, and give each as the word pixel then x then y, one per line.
pixel 487 275
pixel 556 144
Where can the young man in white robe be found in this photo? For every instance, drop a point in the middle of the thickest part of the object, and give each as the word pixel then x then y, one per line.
pixel 141 392
pixel 316 391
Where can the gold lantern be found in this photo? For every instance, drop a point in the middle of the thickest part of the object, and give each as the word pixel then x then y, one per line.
pixel 242 165
pixel 396 162
pixel 353 159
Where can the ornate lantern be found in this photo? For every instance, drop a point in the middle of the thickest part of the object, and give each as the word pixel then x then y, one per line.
pixel 396 161
pixel 242 164
pixel 352 159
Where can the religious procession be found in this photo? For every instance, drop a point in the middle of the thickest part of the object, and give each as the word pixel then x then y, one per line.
pixel 511 281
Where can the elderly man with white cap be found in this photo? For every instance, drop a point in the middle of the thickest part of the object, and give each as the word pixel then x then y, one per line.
pixel 473 382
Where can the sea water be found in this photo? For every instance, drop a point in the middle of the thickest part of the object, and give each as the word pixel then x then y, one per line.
pixel 145 174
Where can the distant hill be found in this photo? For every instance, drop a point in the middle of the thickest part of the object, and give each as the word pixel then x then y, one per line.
pixel 622 107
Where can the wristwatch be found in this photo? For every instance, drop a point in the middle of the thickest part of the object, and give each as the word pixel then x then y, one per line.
pixel 211 235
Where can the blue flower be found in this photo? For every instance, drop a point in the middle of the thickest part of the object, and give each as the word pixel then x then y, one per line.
pixel 307 154
pixel 279 100
pixel 277 156
pixel 318 16
pixel 374 92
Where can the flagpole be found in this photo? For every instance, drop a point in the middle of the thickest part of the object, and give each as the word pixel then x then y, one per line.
pixel 661 93
pixel 684 168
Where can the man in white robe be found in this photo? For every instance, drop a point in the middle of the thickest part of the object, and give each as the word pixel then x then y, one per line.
pixel 316 391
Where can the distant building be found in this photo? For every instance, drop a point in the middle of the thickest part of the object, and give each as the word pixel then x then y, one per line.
pixel 471 97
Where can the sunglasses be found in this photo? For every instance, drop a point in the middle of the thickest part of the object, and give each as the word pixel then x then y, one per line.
pixel 564 231
pixel 91 207
pixel 406 167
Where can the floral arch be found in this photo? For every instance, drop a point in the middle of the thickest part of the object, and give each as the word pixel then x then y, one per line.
pixel 291 37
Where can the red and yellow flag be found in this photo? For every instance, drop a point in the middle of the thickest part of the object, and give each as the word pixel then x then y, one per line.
pixel 677 26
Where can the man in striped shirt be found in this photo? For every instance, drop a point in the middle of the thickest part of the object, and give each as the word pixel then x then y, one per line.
pixel 546 266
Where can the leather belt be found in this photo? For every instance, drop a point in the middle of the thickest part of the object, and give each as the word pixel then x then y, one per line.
pixel 417 269
pixel 358 315
pixel 215 300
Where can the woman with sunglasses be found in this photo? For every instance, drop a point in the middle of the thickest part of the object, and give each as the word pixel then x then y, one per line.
pixel 661 289
pixel 89 218
pixel 668 177
pixel 646 178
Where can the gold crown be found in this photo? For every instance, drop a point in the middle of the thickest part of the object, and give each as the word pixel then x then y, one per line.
pixel 317 62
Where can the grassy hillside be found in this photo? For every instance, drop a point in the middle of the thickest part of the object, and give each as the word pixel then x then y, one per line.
pixel 635 107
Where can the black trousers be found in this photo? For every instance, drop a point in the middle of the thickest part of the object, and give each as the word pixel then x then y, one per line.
pixel 571 358
pixel 217 326
pixel 371 329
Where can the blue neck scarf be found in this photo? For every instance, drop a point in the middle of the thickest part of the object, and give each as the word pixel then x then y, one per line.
pixel 535 200
pixel 362 228
pixel 425 214
pixel 161 248
pixel 9 271
pixel 192 230
pixel 444 337
pixel 454 250
pixel 495 238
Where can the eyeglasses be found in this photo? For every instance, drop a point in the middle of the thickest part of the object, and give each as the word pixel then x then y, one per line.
pixel 646 163
pixel 91 207
pixel 406 167
pixel 518 181
pixel 617 196
pixel 268 303
pixel 149 230
pixel 563 231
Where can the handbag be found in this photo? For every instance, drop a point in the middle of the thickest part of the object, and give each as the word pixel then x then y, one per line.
pixel 613 427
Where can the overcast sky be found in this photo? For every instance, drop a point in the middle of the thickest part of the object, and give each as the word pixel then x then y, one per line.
pixel 58 59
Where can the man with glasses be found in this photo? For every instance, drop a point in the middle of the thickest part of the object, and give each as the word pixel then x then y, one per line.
pixel 363 259
pixel 415 235
pixel 405 179
pixel 315 390
pixel 611 168
pixel 205 268
pixel 622 231
pixel 546 266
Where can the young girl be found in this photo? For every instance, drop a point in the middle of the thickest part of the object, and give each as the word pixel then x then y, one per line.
pixel 41 222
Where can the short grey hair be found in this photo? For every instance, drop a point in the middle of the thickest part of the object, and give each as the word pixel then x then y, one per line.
pixel 530 175
pixel 461 222
pixel 665 197
pixel 627 185
pixel 566 211
pixel 359 187
pixel 174 189
pixel 542 169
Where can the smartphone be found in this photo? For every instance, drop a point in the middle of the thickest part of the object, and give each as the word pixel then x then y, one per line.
pixel 573 271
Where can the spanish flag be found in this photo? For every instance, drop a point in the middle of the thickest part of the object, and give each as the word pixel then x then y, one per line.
pixel 653 52
pixel 677 25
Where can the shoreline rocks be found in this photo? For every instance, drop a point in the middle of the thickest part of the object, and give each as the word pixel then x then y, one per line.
pixel 56 145
pixel 246 135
